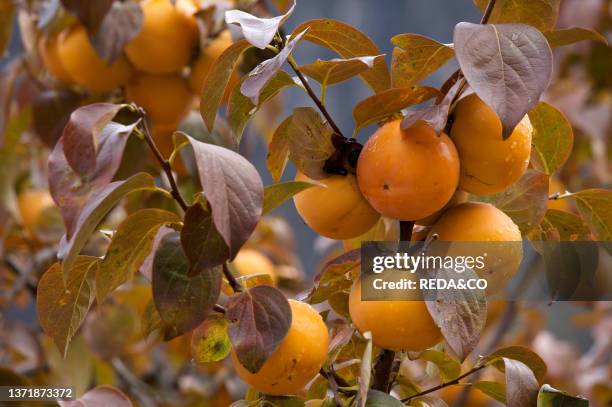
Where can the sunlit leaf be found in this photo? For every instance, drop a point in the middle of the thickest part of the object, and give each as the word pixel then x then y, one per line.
pixel 233 189
pixel 94 211
pixel 310 142
pixel 334 276
pixel 435 115
pixel 62 307
pixel 241 109
pixel 258 31
pixel 521 385
pixel 568 225
pixel 258 78
pixel 449 368
pixel 567 36
pixel 183 302
pixel 525 201
pixel 348 42
pixel 492 389
pixel 552 138
pixel 131 244
pixel 202 243
pixel 551 397
pixel 276 194
pixel 416 58
pixel 338 70
pixel 541 14
pixel 210 341
pixel 508 65
pixel 259 320
pixel 595 206
pixel 278 150
pixel 384 104
pixel 120 25
pixel 522 354
pixel 217 81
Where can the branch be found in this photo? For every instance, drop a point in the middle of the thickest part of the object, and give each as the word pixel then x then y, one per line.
pixel 314 96
pixel 236 286
pixel 445 384
pixel 488 11
pixel 382 370
pixel 165 164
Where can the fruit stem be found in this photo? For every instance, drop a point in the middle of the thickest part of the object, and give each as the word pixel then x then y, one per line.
pixel 165 164
pixel 314 96
pixel 236 286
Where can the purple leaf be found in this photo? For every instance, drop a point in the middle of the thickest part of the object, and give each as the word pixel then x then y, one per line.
pixel 50 112
pixel 261 75
pixel 98 397
pixel 90 13
pixel 436 115
pixel 521 385
pixel 183 302
pixel 259 320
pixel 121 24
pixel 259 32
pixel 507 65
pixel 80 136
pixel 233 189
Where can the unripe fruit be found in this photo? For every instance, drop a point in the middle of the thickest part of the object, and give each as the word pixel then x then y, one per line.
pixel 31 204
pixel 298 358
pixel 84 65
pixel 489 164
pixel 165 98
pixel 166 40
pixel 250 261
pixel 48 49
pixel 338 210
pixel 408 174
pixel 396 325
pixel 206 60
pixel 483 222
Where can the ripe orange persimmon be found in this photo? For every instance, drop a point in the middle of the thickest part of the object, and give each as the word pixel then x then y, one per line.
pixel 166 40
pixel 476 398
pixel 298 358
pixel 31 204
pixel 336 210
pixel 84 65
pixel 250 261
pixel 48 49
pixel 207 58
pixel 166 98
pixel 483 222
pixel 457 198
pixel 489 164
pixel 408 174
pixel 394 324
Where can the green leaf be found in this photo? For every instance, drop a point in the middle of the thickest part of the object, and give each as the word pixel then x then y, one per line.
pixel 241 109
pixel 131 244
pixel 567 36
pixel 568 225
pixel 542 14
pixel 335 71
pixel 310 142
pixel 380 399
pixel 449 368
pixel 522 354
pixel 389 102
pixel 552 138
pixel 416 58
pixel 278 150
pixel 63 299
pixel 276 194
pixel 492 389
pixel 551 397
pixel 348 42
pixel 210 341
pixel 525 201
pixel 334 276
pixel 595 206
pixel 99 204
pixel 217 80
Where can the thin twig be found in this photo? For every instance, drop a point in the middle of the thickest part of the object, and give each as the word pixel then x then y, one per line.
pixel 140 389
pixel 487 14
pixel 236 286
pixel 314 96
pixel 165 164
pixel 445 384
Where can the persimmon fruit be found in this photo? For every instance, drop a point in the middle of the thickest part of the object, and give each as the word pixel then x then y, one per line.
pixel 166 40
pixel 85 67
pixel 48 49
pixel 298 358
pixel 337 209
pixel 206 60
pixel 489 164
pixel 398 325
pixel 476 398
pixel 250 261
pixel 408 174
pixel 31 204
